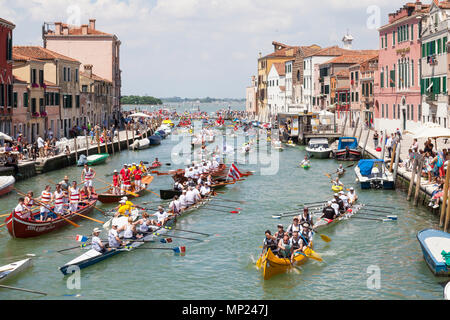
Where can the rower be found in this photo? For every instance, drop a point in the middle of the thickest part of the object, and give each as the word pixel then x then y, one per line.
pixel 328 212
pixel 296 244
pixel 161 216
pixel 113 237
pixel 191 197
pixel 74 197
pixel 306 233
pixel 88 174
pixel 144 222
pixel 198 195
pixel 116 183
pixel 58 196
pixel 337 182
pixel 305 162
pixel 143 167
pixel 280 233
pixel 45 198
pixel 65 187
pixel 156 162
pixel 352 197
pixel 293 227
pixel 284 247
pixel 335 206
pixel 175 206
pixel 204 190
pixel 340 203
pixel 126 180
pixel 29 201
pixel 270 242
pixel 209 180
pixel 177 186
pixel 183 202
pixel 96 243
pixel 129 230
pixel 344 199
pixel 340 170
pixel 133 167
pixel 306 216
pixel 21 210
pixel 137 180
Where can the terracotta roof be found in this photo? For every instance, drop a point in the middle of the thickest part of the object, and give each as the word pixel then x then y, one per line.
pixel 7 22
pixel 51 84
pixel 20 57
pixel 78 31
pixel 40 53
pixel 16 79
pixel 94 77
pixel 343 73
pixel 348 59
pixel 310 50
pixel 288 52
pixel 280 68
pixel 330 51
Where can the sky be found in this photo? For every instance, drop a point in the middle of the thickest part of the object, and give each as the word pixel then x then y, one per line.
pixel 199 48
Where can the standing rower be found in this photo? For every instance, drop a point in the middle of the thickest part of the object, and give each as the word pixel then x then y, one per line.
pixel 74 196
pixel 45 198
pixel 58 196
pixel 87 175
pixel 29 201
pixel 116 183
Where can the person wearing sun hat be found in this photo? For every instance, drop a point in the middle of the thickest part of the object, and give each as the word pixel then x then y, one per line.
pixel 96 242
pixel 352 197
pixel 280 233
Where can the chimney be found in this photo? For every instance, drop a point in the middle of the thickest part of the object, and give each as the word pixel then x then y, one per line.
pixel 253 81
pixel 88 70
pixel 58 28
pixel 65 30
pixel 92 24
pixel 84 29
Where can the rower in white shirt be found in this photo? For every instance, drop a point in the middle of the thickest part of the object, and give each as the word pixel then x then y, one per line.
pixel 21 210
pixel 335 206
pixel 190 197
pixel 161 215
pixel 182 200
pixel 196 190
pixel 344 198
pixel 352 197
pixel 204 190
pixel 174 205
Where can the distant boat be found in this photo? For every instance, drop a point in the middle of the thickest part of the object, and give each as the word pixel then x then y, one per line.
pixel 6 184
pixel 435 244
pixel 347 149
pixel 318 148
pixel 11 270
pixel 140 144
pixel 97 159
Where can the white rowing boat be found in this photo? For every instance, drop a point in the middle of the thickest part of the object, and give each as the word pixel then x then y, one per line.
pixel 10 270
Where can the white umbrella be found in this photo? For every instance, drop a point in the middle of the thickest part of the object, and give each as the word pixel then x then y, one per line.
pixel 4 136
pixel 436 132
pixel 140 115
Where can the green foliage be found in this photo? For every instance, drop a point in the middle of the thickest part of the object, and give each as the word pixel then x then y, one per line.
pixel 140 100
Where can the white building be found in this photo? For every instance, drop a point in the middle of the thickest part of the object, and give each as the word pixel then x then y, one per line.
pixel 309 76
pixel 433 82
pixel 288 65
pixel 276 89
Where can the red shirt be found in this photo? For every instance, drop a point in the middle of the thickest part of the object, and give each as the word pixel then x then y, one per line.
pixel 137 174
pixel 115 180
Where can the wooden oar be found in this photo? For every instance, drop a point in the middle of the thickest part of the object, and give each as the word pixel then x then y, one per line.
pixel 86 217
pixel 372 210
pixel 392 217
pixel 201 233
pixel 175 249
pixel 374 219
pixel 41 203
pixel 5 215
pixel 223 210
pixel 24 290
pixel 171 236
pixel 109 184
pixel 228 200
pixel 220 206
pixel 371 205
pixel 71 248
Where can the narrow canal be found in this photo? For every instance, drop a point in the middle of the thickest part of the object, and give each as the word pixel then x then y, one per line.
pixel 223 266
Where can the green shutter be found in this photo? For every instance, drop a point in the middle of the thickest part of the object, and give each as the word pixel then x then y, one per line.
pixel 444 45
pixel 382 79
pixel 412 32
pixel 444 84
pixel 439 46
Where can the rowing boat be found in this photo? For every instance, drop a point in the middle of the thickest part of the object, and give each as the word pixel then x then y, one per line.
pixel 26 228
pixel 108 197
pixel 97 159
pixel 337 188
pixel 322 223
pixel 271 265
pixel 92 256
pixel 11 270
pixel 170 193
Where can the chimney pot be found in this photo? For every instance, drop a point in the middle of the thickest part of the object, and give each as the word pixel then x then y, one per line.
pixel 84 29
pixel 65 31
pixel 92 24
pixel 58 28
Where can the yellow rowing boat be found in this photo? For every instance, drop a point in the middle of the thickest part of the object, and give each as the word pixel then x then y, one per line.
pixel 271 265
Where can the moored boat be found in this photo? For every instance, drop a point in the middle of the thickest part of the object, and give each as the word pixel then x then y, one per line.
pixel 435 245
pixel 155 140
pixel 372 174
pixel 6 184
pixel 26 228
pixel 13 269
pixel 95 159
pixel 140 144
pixel 318 148
pixel 347 149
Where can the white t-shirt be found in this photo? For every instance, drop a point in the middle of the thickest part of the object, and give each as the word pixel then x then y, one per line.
pixel 190 197
pixel 95 243
pixel 161 216
pixel 20 210
pixel 40 142
pixel 351 196
pixel 182 200
pixel 112 238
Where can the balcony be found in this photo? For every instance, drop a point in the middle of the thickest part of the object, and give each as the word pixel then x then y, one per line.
pixel 431 98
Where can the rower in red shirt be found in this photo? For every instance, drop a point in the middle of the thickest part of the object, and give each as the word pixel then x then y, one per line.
pixel 126 180
pixel 116 183
pixel 137 179
pixel 156 163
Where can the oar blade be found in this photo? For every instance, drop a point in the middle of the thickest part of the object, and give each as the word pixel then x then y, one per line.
pixel 325 238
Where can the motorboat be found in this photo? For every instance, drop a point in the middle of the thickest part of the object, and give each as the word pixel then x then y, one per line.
pixel 373 174
pixel 318 148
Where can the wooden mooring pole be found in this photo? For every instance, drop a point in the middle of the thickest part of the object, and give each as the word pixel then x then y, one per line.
pixel 356 127
pixel 126 134
pixel 76 147
pixel 365 144
pixel 394 151
pixel 411 181
pixel 418 180
pixel 397 159
pixel 87 143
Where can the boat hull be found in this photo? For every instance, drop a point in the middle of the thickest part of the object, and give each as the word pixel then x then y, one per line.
pixel 272 265
pixel 432 243
pixel 353 155
pixel 313 153
pixel 99 160
pixel 7 185
pixel 113 198
pixel 13 269
pixel 24 228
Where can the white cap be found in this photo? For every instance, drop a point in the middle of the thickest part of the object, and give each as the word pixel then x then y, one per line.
pixel 336 195
pixel 97 230
pixel 334 200
pixel 122 201
pixel 341 192
pixel 329 202
pixel 124 198
pixel 351 189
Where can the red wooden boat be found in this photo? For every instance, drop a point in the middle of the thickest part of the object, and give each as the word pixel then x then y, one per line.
pixel 27 228
pixel 114 198
pixel 6 184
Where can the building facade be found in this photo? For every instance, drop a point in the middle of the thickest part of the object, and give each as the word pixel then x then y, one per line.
pixel 91 47
pixel 398 101
pixel 250 98
pixel 6 76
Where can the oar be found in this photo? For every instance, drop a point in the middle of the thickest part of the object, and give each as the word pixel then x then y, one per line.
pixel 233 211
pixel 372 205
pixel 21 289
pixel 71 248
pixel 317 202
pixel 201 233
pixel 4 215
pixel 220 206
pixel 379 211
pixel 103 212
pixel 86 217
pixel 374 219
pixel 109 184
pixel 171 236
pixel 392 217
pixel 39 202
pixel 228 200
pixel 175 249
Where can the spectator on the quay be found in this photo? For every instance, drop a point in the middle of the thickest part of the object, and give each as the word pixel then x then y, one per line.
pixel 375 139
pixel 415 145
pixel 40 146
pixel 389 142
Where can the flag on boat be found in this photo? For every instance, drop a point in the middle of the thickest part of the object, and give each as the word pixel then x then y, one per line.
pixel 167 240
pixel 179 249
pixel 81 238
pixel 234 173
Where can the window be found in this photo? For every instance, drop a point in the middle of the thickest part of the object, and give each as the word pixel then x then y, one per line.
pixel 65 74
pixel 77 101
pixel 412 32
pixel 25 99
pixel 15 100
pixel 393 111
pixel 76 74
pixel 382 77
pixel 444 45
pixel 398 111
pixel 407 112
pixel 357 96
pixel 412 73
pixel 2 95
pixel 41 77
pixel 419 112
pixel 33 76
pixel 392 78
pixel 382 111
pixel 33 105
pixel 393 37
pixel 387 111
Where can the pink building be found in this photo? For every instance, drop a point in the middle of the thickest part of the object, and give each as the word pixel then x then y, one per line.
pixel 6 77
pixel 91 47
pixel 397 94
pixel 20 108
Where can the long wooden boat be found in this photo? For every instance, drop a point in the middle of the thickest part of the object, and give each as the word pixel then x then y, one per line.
pixel 271 265
pixel 11 270
pixel 26 228
pixel 435 244
pixel 114 198
pixel 170 193
pixel 92 256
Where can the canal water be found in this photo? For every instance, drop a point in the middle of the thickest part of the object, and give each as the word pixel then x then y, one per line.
pixel 223 265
